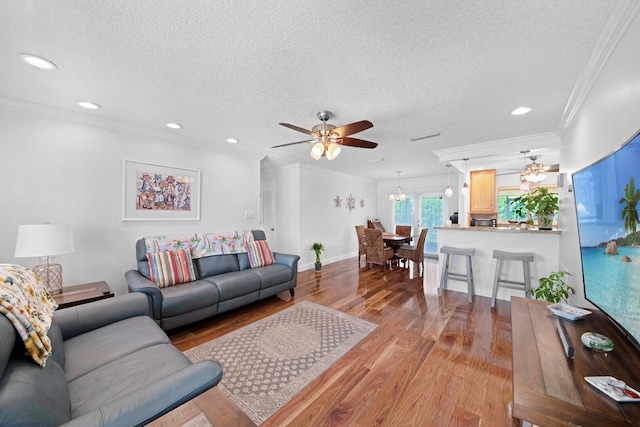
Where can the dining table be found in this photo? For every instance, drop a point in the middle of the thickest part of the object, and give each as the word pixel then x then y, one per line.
pixel 395 241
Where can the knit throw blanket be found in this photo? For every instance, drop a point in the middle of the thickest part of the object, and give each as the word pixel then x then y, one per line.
pixel 202 244
pixel 26 303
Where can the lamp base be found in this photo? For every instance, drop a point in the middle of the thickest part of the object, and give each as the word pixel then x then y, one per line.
pixel 51 276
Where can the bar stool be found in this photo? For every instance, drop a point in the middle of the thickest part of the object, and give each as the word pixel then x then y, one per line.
pixel 500 256
pixel 445 274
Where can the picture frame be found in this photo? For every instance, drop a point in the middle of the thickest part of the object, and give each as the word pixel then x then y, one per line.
pixel 155 192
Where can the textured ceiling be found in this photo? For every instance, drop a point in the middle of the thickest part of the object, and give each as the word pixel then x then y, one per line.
pixel 237 68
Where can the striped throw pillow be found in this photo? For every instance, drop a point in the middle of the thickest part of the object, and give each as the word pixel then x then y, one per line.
pixel 169 268
pixel 259 253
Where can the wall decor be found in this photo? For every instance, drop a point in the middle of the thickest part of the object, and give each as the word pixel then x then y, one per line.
pixel 337 201
pixel 362 203
pixel 153 192
pixel 351 202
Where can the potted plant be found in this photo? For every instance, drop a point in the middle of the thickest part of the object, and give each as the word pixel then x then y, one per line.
pixel 553 288
pixel 318 249
pixel 541 203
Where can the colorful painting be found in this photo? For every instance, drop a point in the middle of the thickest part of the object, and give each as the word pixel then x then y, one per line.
pixel 156 191
pixel 159 192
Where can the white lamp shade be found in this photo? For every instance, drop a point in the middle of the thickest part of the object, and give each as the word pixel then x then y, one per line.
pixel 317 151
pixel 448 192
pixel 333 150
pixel 43 240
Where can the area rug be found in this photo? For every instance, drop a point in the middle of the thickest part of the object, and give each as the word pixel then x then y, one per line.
pixel 269 361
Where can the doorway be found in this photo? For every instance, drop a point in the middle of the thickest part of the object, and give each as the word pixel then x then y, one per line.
pixel 421 211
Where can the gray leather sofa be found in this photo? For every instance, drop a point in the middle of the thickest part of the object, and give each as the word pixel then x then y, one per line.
pixel 111 365
pixel 224 282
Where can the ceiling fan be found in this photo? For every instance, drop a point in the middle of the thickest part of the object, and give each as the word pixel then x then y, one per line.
pixel 328 138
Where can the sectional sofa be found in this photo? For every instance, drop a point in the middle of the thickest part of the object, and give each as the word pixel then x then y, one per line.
pixel 222 282
pixel 111 365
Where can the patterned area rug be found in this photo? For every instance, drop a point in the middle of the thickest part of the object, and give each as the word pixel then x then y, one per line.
pixel 269 361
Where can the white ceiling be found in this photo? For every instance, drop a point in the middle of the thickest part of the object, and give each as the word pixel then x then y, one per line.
pixel 229 68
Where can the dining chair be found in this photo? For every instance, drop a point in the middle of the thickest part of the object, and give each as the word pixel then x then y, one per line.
pixel 414 253
pixel 403 230
pixel 377 253
pixel 375 224
pixel 362 243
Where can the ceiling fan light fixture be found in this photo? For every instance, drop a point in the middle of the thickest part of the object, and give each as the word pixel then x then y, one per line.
pixel 317 151
pixel 333 150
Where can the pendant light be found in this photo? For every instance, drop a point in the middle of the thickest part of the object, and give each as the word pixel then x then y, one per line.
pixel 398 196
pixel 448 192
pixel 465 186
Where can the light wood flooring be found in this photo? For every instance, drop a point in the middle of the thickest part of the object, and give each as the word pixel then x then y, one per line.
pixel 432 361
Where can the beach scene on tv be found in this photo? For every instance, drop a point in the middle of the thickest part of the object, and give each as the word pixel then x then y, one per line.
pixel 606 197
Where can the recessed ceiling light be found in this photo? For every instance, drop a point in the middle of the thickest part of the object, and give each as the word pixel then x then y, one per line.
pixel 232 141
pixel 521 110
pixel 89 105
pixel 174 125
pixel 38 62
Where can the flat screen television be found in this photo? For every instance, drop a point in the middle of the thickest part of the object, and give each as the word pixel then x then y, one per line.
pixel 607 194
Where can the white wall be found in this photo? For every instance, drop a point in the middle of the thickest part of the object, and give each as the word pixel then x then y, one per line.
pixel 307 211
pixel 609 116
pixel 63 172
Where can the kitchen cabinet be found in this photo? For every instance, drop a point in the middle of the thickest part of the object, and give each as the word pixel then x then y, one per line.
pixel 483 191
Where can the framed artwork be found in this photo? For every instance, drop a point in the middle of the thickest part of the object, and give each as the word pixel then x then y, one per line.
pixel 153 192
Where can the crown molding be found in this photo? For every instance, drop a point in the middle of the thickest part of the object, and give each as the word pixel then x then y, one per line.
pixel 615 24
pixel 44 111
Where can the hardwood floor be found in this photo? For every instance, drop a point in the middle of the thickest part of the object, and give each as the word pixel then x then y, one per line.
pixel 432 361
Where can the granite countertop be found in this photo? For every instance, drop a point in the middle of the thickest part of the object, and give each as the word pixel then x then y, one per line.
pixel 500 229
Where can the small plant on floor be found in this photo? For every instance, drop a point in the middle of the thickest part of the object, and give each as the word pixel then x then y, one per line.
pixel 553 288
pixel 318 248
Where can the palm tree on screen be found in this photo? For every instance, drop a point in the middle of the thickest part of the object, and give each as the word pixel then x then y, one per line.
pixel 630 200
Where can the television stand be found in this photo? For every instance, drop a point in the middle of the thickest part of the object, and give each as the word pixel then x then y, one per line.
pixel 549 389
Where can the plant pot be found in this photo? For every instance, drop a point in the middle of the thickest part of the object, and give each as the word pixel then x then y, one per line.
pixel 318 266
pixel 545 222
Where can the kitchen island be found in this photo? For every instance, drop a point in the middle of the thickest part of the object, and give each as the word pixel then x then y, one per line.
pixel 543 243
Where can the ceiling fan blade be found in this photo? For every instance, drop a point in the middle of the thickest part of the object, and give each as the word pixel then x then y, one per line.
pixel 360 143
pixel 299 129
pixel 352 128
pixel 552 168
pixel 293 143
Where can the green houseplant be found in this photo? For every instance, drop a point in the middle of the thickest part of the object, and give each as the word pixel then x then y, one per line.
pixel 318 248
pixel 553 288
pixel 541 203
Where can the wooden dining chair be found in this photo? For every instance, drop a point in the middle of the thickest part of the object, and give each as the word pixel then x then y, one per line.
pixel 414 253
pixel 362 243
pixel 377 253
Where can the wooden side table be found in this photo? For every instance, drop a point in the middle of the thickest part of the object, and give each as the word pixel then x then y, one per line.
pixel 82 294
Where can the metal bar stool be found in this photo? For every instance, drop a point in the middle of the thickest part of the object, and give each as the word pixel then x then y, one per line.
pixel 445 274
pixel 500 256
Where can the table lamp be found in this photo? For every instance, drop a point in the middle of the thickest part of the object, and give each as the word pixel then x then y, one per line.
pixel 45 241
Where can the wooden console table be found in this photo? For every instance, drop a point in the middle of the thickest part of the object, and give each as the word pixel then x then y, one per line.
pixel 549 389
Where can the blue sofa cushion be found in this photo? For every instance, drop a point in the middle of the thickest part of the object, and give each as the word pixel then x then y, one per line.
pixel 274 274
pixel 91 350
pixel 124 376
pixel 236 284
pixel 216 264
pixel 188 297
pixel 31 395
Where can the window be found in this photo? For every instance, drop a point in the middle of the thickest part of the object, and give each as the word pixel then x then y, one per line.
pixel 507 207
